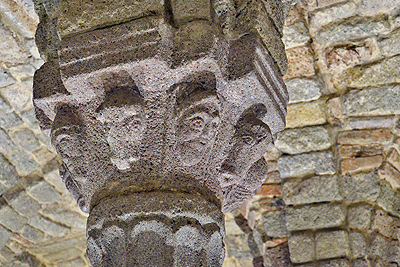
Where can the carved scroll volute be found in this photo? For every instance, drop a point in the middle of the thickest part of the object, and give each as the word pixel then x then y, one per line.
pixel 161 116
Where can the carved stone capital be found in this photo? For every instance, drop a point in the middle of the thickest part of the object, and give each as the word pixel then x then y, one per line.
pixel 169 103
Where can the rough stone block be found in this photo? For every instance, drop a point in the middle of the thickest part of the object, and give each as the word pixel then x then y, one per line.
pixel 300 63
pixel 269 191
pixel 25 138
pixel 358 245
pixel 295 35
pixel 342 57
pixel 365 137
pixel 356 165
pixel 312 190
pixel 72 263
pixel 11 219
pixel 4 236
pixel 275 224
pixel 360 187
pixel 296 141
pixel 23 162
pixel 320 18
pixel 319 163
pixel 64 216
pixel 314 217
pixel 22 72
pixel 332 244
pixel 389 199
pixel 373 101
pixel 303 90
pixel 18 96
pixel 24 204
pixel 44 193
pixel 394 158
pixel 32 234
pixel 370 123
pixel 391 175
pixel 356 151
pixel 319 4
pixel 375 7
pixel 350 29
pixel 335 111
pixel 380 73
pixel 9 120
pixel 386 225
pixel 8 175
pixel 390 45
pixel 185 11
pixel 359 217
pixel 10 51
pixel 306 114
pixel 301 247
pixel 5 78
pixel 48 227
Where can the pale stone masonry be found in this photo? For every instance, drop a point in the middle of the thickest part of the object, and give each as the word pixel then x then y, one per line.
pixel 319 99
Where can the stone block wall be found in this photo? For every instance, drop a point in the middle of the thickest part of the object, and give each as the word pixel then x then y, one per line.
pixel 332 195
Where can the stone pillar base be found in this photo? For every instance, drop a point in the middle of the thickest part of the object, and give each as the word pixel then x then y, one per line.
pixel 156 229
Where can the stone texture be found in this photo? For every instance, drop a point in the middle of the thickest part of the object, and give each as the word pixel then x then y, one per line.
pixel 332 244
pixel 391 175
pixel 25 138
pixel 314 4
pixel 360 187
pixel 379 73
pixel 389 200
pixel 357 151
pixel 359 217
pixel 11 219
pixel 306 114
pixel 301 247
pixel 319 163
pixel 48 227
pixel 374 7
pixel 296 141
pixel 4 236
pixel 321 18
pixel 311 190
pixel 350 29
pixel 356 165
pixel 295 35
pixel 314 217
pixel 17 96
pixel 373 101
pixel 24 204
pixel 390 45
pixel 44 193
pixel 371 122
pixel 300 63
pixel 10 50
pixel 275 224
pixel 358 245
pixel 303 90
pixel 5 78
pixel 386 225
pixel 365 137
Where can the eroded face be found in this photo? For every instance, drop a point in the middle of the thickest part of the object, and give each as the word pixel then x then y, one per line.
pixel 196 129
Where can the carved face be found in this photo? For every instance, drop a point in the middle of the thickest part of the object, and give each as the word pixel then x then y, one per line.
pixel 250 141
pixel 123 114
pixel 197 121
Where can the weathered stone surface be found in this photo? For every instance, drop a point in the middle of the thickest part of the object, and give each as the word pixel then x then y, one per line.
pixel 11 219
pixel 24 204
pixel 319 163
pixel 332 244
pixel 25 138
pixel 320 18
pixel 8 175
pixel 300 63
pixel 295 35
pixel 303 90
pixel 373 7
pixel 359 217
pixel 360 187
pixel 269 191
pixel 390 174
pixel 345 56
pixel 17 96
pixel 365 137
pixel 275 224
pixel 356 151
pixel 4 236
pixel 358 245
pixel 386 225
pixel 356 165
pixel 10 50
pixel 371 122
pixel 312 190
pixel 351 29
pixel 296 141
pixel 314 217
pixel 43 193
pixel 305 114
pixel 47 226
pixel 373 101
pixel 314 4
pixel 5 78
pixel 390 45
pixel 389 200
pixel 301 247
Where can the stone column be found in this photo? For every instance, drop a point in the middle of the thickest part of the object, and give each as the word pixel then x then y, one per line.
pixel 161 112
